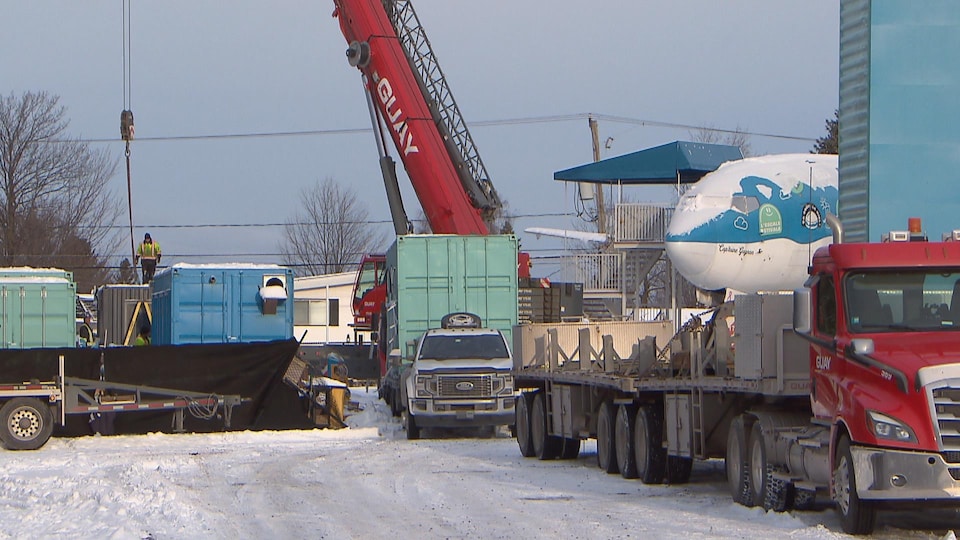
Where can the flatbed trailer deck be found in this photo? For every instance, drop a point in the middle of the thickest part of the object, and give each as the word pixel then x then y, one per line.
pixel 29 409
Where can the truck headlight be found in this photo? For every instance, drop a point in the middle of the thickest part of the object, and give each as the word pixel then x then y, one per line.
pixel 887 427
pixel 426 386
pixel 502 384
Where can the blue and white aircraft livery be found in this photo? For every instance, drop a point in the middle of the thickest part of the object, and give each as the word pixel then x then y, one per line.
pixel 753 224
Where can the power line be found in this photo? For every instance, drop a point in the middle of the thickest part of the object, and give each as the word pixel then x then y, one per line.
pixel 306 223
pixel 481 123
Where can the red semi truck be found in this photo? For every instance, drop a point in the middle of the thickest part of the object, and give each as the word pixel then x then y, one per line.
pixel 848 388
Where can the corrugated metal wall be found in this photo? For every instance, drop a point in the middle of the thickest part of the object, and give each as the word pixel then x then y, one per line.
pixel 116 305
pixel 854 129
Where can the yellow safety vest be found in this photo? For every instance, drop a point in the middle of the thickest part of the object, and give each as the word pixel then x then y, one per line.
pixel 148 251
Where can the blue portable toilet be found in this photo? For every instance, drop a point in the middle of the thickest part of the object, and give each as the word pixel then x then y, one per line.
pixel 234 303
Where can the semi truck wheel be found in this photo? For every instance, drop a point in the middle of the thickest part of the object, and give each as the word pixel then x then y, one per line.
pixel 650 457
pixel 27 424
pixel 804 499
pixel 623 435
pixel 545 446
pixel 606 445
pixel 737 464
pixel 771 492
pixel 524 440
pixel 856 516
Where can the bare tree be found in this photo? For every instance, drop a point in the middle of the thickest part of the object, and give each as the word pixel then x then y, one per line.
pixel 737 137
pixel 330 232
pixel 55 206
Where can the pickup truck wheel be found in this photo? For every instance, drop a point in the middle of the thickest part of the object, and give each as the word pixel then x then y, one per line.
pixel 606 445
pixel 396 406
pixel 623 435
pixel 650 457
pixel 771 492
pixel 27 424
pixel 856 516
pixel 737 464
pixel 545 446
pixel 524 438
pixel 410 422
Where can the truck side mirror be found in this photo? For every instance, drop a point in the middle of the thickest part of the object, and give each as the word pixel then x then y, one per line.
pixel 863 346
pixel 802 309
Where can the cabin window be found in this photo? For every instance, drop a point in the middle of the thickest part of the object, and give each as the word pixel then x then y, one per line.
pixel 318 312
pixel 826 306
pixel 744 204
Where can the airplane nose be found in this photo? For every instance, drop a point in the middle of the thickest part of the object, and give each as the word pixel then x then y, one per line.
pixel 693 260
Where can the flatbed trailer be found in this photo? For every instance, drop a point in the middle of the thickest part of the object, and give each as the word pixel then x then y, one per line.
pixel 28 410
pixel 672 399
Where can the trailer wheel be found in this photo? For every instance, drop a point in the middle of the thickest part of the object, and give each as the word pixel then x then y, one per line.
pixel 771 492
pixel 524 439
pixel 737 464
pixel 545 446
pixel 856 516
pixel 27 424
pixel 571 449
pixel 623 435
pixel 606 445
pixel 650 457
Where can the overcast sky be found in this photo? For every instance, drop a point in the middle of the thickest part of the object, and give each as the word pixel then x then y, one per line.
pixel 525 75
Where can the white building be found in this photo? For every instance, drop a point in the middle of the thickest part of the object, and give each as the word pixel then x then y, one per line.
pixel 322 309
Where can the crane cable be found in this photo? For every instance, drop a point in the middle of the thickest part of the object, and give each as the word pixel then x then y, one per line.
pixel 126 123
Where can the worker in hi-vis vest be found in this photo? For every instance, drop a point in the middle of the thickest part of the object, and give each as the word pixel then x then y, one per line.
pixel 148 255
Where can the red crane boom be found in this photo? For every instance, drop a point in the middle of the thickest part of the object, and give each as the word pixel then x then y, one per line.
pixel 388 45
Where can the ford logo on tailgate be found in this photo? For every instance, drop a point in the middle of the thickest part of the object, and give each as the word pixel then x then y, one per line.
pixel 464 386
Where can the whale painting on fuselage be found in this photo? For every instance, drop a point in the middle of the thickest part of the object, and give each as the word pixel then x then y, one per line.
pixel 753 224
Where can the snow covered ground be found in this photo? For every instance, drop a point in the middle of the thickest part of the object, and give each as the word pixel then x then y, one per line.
pixel 369 482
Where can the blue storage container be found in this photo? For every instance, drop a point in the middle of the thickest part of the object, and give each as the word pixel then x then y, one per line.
pixel 38 308
pixel 222 304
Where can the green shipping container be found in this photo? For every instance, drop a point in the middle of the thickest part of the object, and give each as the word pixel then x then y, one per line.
pixel 38 308
pixel 431 275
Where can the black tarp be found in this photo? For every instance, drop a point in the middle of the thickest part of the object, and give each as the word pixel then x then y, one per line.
pixel 253 371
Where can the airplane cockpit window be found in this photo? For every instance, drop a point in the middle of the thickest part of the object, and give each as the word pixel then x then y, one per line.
pixel 744 204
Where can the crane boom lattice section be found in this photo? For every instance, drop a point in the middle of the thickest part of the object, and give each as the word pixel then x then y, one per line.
pixel 460 145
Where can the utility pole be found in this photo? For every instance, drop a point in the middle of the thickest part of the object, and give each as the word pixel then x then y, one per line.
pixel 601 208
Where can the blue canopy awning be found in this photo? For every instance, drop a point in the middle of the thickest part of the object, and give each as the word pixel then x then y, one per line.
pixel 658 165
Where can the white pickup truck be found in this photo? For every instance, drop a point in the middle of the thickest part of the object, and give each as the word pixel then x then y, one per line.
pixel 461 376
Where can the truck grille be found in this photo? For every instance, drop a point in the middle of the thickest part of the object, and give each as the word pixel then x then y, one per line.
pixel 464 386
pixel 946 405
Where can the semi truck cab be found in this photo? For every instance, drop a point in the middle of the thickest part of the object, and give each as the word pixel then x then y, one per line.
pixel 883 320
